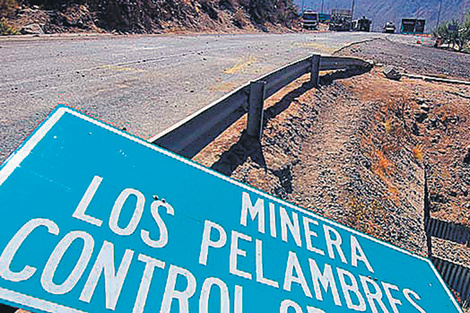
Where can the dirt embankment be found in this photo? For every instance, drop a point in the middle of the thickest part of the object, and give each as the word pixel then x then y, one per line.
pixel 356 150
pixel 331 151
pixel 441 123
pixel 146 16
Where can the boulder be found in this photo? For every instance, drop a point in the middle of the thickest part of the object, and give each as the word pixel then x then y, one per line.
pixel 32 29
pixel 392 73
pixel 466 159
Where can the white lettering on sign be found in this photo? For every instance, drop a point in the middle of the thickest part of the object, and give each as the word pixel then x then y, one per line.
pixel 113 281
pixel 136 216
pixel 295 274
pixel 256 210
pixel 150 264
pixel 206 291
pixel 286 304
pixel 290 227
pixel 80 211
pixel 351 288
pixel 259 267
pixel 245 256
pixel 393 301
pixel 182 296
pixel 373 296
pixel 325 280
pixel 408 293
pixel 163 240
pixel 335 242
pixel 12 247
pixel 235 252
pixel 47 277
pixel 207 242
pixel 309 233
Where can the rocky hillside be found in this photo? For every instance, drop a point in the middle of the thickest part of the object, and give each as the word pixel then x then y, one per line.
pixel 145 16
pixel 381 11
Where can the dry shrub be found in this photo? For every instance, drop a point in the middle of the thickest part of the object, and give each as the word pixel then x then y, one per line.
pixel 418 152
pixel 388 127
pixel 384 168
pixel 368 218
pixel 6 28
pixel 239 18
pixel 382 165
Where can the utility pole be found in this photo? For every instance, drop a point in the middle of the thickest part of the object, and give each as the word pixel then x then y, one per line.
pixel 302 8
pixel 322 1
pixel 352 10
pixel 439 14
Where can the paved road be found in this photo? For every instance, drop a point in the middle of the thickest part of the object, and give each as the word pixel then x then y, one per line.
pixel 142 83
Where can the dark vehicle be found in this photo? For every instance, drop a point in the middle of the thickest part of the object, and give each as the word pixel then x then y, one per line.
pixel 389 28
pixel 362 24
pixel 419 28
pixel 324 17
pixel 341 20
pixel 412 26
pixel 310 20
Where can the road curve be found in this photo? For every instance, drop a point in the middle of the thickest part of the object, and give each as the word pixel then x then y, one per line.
pixel 141 83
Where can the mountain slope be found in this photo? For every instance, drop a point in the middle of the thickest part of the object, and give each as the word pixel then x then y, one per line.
pixel 149 16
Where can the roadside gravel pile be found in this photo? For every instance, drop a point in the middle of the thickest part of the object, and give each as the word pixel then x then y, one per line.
pixel 412 58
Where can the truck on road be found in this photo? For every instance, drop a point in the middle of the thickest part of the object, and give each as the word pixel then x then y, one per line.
pixel 362 24
pixel 341 20
pixel 310 20
pixel 389 28
pixel 412 26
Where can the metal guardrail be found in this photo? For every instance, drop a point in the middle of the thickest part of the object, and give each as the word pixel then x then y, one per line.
pixel 448 231
pixel 191 135
pixel 456 277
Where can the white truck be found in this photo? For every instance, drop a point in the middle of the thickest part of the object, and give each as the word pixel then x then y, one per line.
pixel 310 20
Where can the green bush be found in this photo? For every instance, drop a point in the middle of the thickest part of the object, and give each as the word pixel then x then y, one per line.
pixel 6 28
pixel 460 37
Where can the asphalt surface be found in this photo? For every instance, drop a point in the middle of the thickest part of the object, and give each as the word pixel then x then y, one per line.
pixel 141 83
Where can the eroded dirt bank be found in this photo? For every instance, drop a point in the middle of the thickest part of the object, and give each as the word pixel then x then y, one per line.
pixel 440 124
pixel 355 151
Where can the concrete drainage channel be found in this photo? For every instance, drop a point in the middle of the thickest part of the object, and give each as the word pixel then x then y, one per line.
pixel 191 135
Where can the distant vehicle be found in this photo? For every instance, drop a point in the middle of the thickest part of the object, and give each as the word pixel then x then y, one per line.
pixel 362 24
pixel 310 20
pixel 341 20
pixel 412 26
pixel 389 27
pixel 324 17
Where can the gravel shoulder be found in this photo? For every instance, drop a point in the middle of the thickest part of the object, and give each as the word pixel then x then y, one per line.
pixel 412 58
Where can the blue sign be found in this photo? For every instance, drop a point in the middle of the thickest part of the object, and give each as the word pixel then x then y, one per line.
pixel 96 220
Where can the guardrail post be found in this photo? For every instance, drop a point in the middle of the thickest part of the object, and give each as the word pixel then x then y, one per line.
pixel 254 125
pixel 315 73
